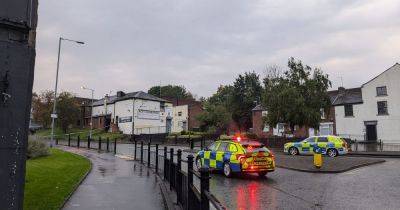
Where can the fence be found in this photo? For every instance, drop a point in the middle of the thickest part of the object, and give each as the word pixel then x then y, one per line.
pixel 374 146
pixel 99 144
pixel 180 179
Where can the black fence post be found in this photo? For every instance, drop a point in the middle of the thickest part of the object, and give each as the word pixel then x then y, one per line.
pixel 204 186
pixel 88 142
pixel 178 179
pixel 176 139
pixel 69 140
pixel 141 151
pixel 148 154
pixel 108 144
pixel 156 158
pixel 135 149
pixel 115 146
pixel 56 141
pixel 190 194
pixel 355 141
pixel 99 147
pixel 165 162
pixel 171 162
pixel 79 142
pixel 191 143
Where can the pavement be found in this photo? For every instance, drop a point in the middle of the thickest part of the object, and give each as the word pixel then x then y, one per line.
pixel 115 183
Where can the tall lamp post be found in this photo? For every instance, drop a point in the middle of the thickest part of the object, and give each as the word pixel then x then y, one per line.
pixel 91 112
pixel 54 114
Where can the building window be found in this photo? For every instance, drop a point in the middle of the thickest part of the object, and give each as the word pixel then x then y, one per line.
pixel 382 108
pixel 381 91
pixel 348 110
pixel 179 113
pixel 322 114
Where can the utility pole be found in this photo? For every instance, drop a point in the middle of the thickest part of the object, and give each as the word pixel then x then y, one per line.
pixel 18 20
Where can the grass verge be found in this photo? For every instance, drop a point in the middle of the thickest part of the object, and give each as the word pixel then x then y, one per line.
pixel 51 179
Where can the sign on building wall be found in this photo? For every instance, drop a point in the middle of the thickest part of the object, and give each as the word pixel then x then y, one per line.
pixel 125 119
pixel 148 114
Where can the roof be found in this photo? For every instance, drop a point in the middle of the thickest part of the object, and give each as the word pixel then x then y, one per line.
pixel 127 96
pixel 396 64
pixel 346 96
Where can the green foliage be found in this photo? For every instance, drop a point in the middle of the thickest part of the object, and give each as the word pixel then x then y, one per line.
pixel 42 107
pixel 214 117
pixel 246 94
pixel 170 91
pixel 68 110
pixel 297 96
pixel 50 179
pixel 36 149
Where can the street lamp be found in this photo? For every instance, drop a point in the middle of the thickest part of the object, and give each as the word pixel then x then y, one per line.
pixel 91 112
pixel 54 114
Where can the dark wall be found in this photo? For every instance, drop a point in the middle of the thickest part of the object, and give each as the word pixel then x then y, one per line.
pixel 17 59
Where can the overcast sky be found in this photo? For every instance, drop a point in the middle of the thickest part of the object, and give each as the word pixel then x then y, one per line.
pixel 132 45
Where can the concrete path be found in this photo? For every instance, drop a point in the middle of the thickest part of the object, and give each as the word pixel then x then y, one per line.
pixel 115 183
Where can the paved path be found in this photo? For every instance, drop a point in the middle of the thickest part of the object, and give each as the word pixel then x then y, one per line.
pixel 115 183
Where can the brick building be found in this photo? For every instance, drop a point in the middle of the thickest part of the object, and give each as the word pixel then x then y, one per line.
pixel 185 113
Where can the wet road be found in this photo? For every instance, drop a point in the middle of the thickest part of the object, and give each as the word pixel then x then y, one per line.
pixel 373 187
pixel 115 183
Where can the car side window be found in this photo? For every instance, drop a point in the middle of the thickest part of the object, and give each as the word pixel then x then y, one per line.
pixel 310 140
pixel 323 139
pixel 212 147
pixel 222 147
pixel 232 148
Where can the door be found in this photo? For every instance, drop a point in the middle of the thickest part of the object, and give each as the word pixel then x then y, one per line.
pixel 168 125
pixel 371 132
pixel 307 145
pixel 219 157
pixel 323 143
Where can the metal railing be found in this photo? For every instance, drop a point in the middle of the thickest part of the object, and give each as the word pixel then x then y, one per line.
pixel 373 146
pixel 99 144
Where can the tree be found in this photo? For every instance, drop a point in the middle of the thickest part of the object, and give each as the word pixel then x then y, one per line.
pixel 42 107
pixel 68 110
pixel 223 96
pixel 246 93
pixel 215 118
pixel 170 91
pixel 297 96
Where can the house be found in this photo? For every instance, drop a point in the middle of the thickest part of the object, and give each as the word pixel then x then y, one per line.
pixel 85 111
pixel 185 113
pixel 371 112
pixel 133 113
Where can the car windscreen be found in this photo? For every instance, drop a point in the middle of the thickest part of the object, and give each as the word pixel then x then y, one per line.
pixel 255 148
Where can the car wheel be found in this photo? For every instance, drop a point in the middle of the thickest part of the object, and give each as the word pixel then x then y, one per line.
pixel 262 173
pixel 198 163
pixel 227 170
pixel 332 152
pixel 293 151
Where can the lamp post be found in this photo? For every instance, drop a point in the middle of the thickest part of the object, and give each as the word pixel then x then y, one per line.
pixel 91 112
pixel 54 114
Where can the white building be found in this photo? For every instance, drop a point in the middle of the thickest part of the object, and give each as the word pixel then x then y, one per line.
pixel 372 111
pixel 180 118
pixel 133 113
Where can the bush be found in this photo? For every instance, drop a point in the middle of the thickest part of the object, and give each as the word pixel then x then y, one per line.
pixel 37 149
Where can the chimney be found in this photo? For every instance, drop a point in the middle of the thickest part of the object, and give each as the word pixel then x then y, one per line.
pixel 120 94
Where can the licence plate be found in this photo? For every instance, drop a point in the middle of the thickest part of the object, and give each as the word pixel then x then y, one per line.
pixel 260 163
pixel 261 159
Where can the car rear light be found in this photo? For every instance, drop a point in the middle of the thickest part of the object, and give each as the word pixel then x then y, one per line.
pixel 271 155
pixel 240 157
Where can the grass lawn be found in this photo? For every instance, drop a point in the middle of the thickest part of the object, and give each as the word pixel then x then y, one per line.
pixel 50 179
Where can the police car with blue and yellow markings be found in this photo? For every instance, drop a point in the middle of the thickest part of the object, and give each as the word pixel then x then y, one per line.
pixel 330 145
pixel 237 156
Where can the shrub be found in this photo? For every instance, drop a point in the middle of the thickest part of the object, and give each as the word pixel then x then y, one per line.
pixel 36 149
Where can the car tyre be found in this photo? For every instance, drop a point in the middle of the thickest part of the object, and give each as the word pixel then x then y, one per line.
pixel 227 170
pixel 293 151
pixel 262 173
pixel 332 152
pixel 198 163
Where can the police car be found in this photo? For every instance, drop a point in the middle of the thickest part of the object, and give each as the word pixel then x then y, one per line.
pixel 237 156
pixel 330 145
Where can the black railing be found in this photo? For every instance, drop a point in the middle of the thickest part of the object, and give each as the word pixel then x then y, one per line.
pixel 180 179
pixel 373 146
pixel 106 145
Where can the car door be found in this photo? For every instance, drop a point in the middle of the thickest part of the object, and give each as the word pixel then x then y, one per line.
pixel 219 156
pixel 307 145
pixel 209 153
pixel 322 143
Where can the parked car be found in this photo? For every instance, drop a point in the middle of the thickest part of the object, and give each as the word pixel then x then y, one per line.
pixel 330 145
pixel 237 156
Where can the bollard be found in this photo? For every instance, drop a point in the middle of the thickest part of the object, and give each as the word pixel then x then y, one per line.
pixel 88 142
pixel 108 144
pixel 69 140
pixel 148 154
pixel 115 146
pixel 165 162
pixel 317 157
pixel 99 147
pixel 190 195
pixel 141 151
pixel 204 186
pixel 191 144
pixel 79 142
pixel 171 162
pixel 156 158
pixel 135 149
